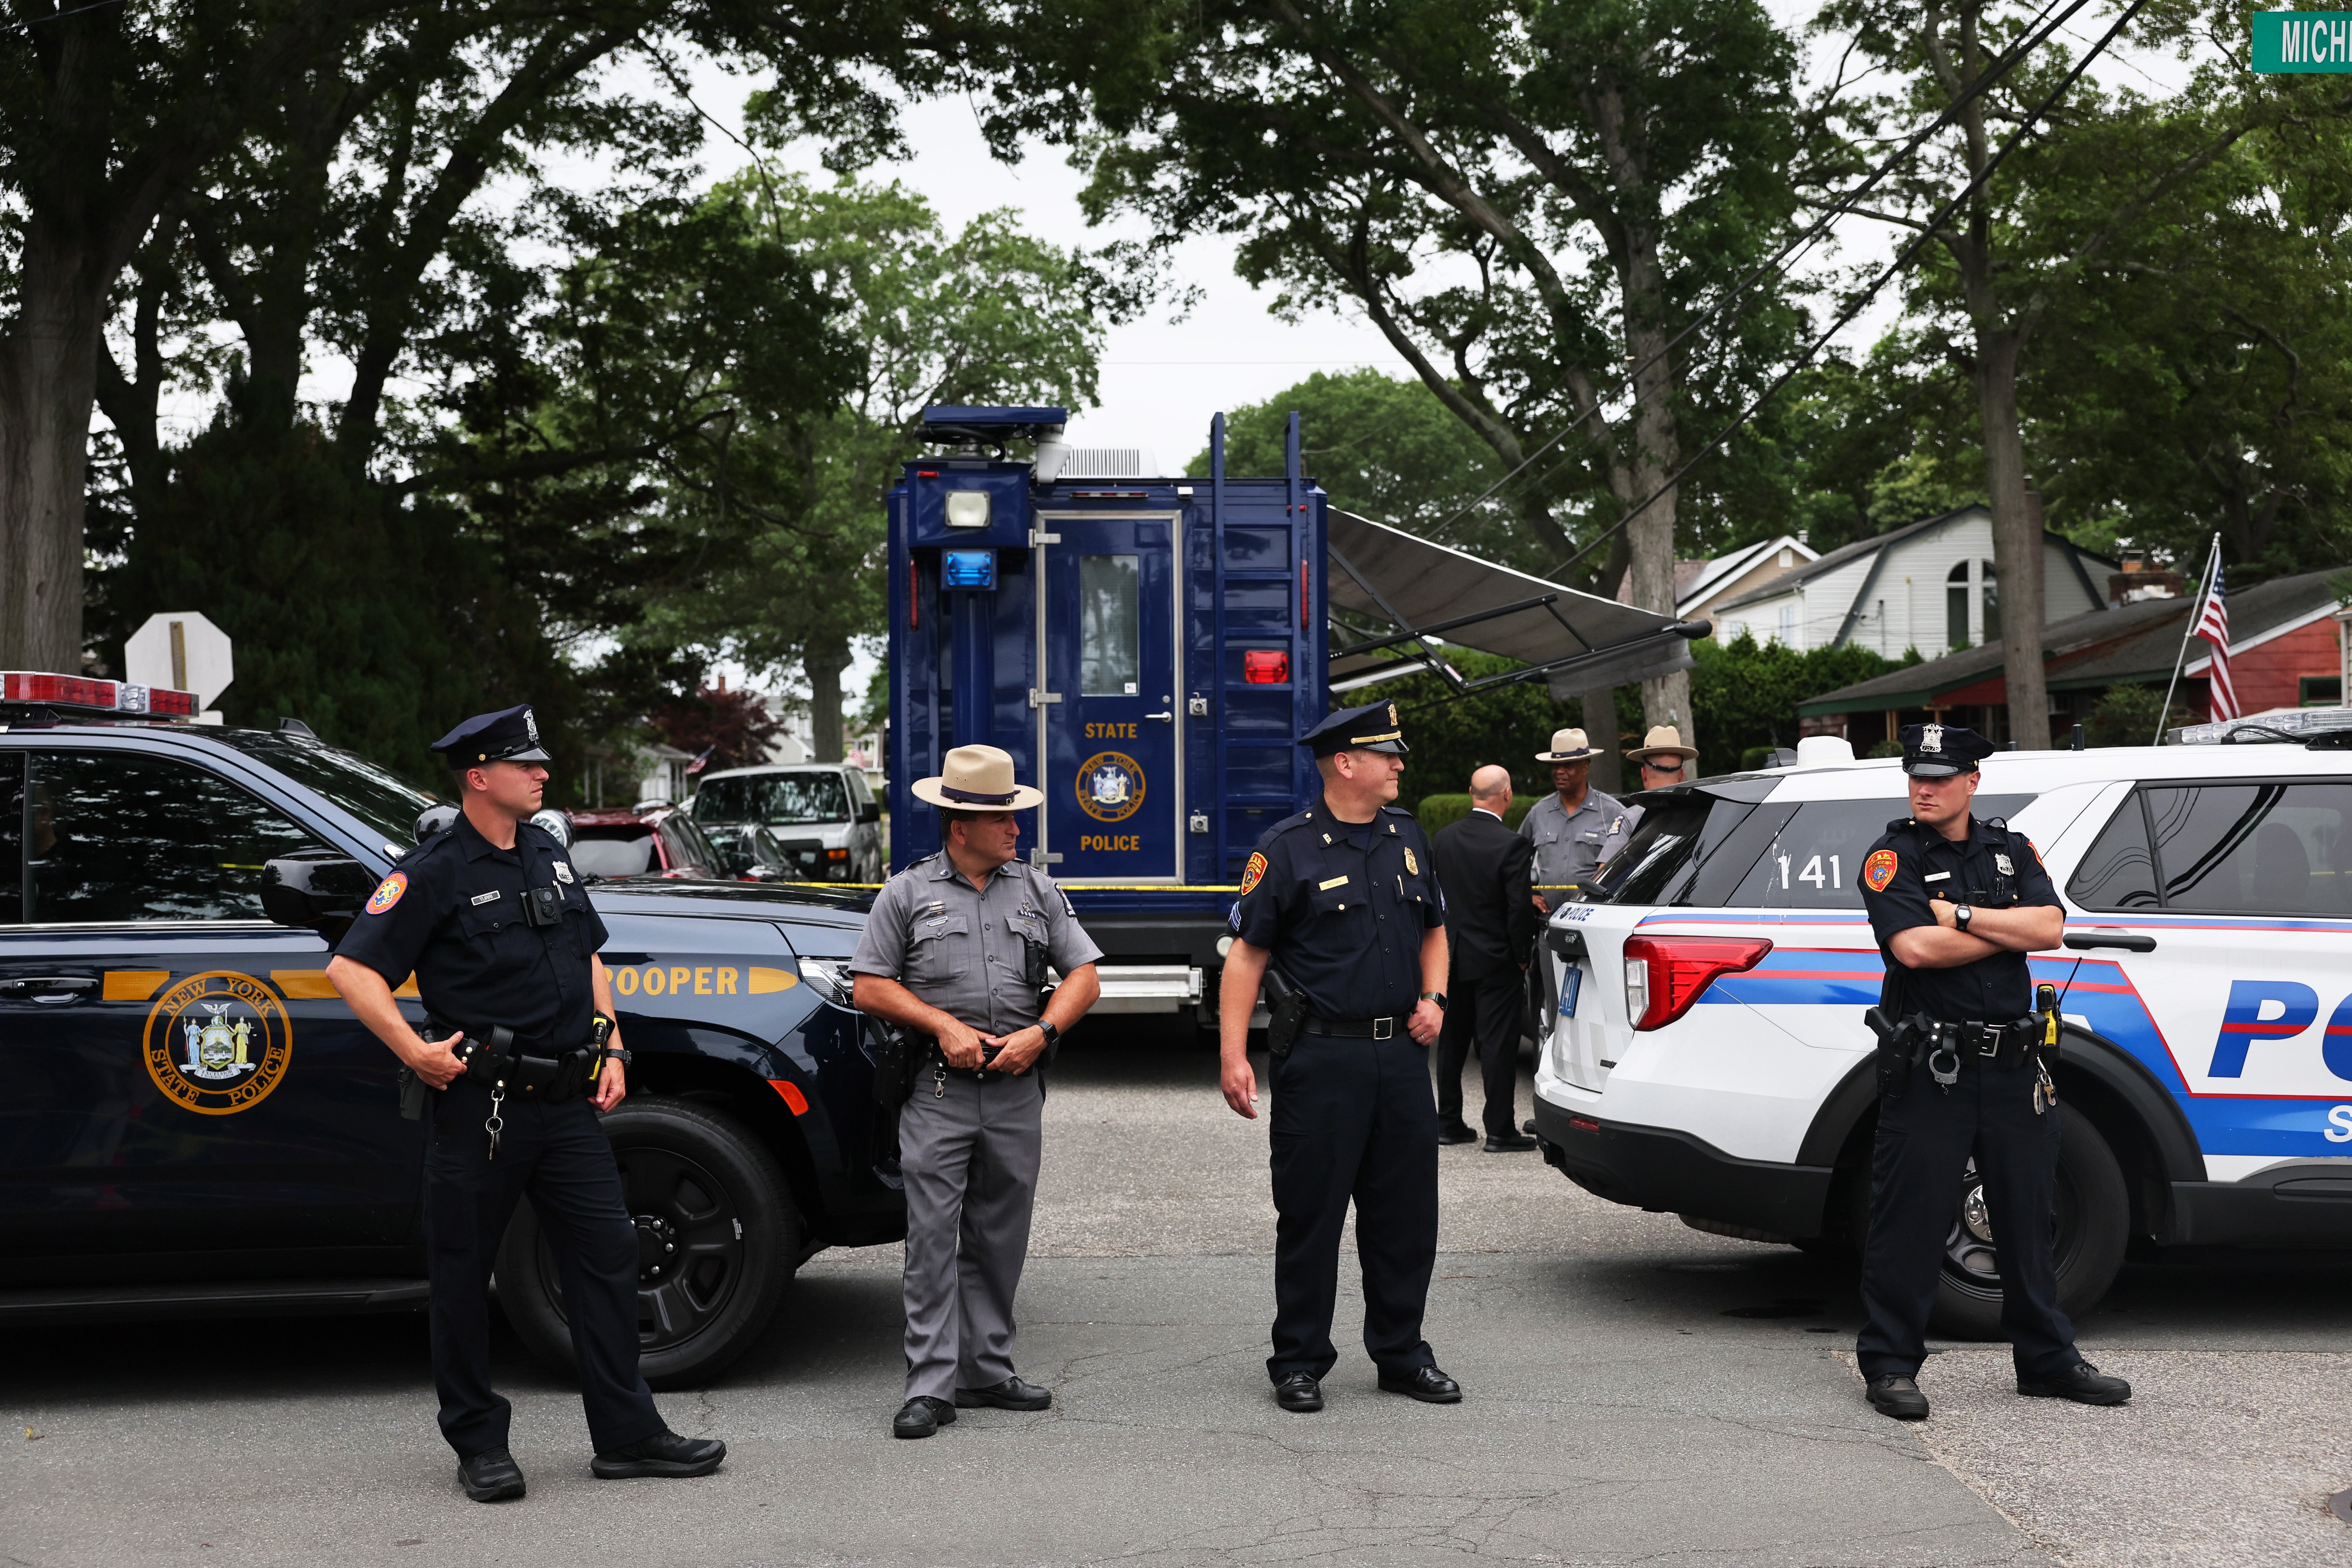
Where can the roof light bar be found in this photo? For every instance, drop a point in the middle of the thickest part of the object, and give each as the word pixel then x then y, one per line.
pixel 79 691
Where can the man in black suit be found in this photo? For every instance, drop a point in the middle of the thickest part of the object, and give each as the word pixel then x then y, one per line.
pixel 1490 922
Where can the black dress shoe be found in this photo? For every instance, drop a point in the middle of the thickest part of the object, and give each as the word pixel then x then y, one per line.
pixel 663 1454
pixel 1011 1394
pixel 1425 1383
pixel 1529 1125
pixel 1457 1133
pixel 2082 1382
pixel 1897 1396
pixel 920 1416
pixel 1508 1143
pixel 491 1475
pixel 1301 1393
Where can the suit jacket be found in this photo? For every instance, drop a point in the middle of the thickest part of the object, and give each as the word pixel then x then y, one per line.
pixel 1490 918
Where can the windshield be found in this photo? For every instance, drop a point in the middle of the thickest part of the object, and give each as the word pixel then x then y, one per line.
pixel 369 793
pixel 599 856
pixel 773 798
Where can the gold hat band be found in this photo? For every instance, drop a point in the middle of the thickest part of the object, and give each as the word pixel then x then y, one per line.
pixel 1367 740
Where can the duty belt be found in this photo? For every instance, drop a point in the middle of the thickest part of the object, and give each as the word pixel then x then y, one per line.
pixel 1355 1029
pixel 2003 1045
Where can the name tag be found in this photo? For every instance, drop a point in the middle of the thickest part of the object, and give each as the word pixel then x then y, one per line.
pixel 1936 877
pixel 489 898
pixel 1334 883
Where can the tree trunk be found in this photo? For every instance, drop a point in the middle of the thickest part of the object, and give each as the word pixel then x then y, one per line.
pixel 1665 699
pixel 48 383
pixel 1600 730
pixel 2016 537
pixel 823 662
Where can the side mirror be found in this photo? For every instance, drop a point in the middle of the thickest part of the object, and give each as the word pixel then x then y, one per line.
pixel 870 812
pixel 320 891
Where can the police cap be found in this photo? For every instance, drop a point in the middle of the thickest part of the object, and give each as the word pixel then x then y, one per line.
pixel 1373 727
pixel 509 735
pixel 1941 751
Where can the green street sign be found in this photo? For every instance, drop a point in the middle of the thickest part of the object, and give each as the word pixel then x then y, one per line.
pixel 2302 41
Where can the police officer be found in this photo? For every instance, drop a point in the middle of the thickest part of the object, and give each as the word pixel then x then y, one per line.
pixel 1956 904
pixel 1574 828
pixel 1340 911
pixel 954 949
pixel 493 921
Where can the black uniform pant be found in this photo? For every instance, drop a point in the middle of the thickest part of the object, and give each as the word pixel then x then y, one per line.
pixel 1482 1014
pixel 558 1156
pixel 1352 1120
pixel 1924 1139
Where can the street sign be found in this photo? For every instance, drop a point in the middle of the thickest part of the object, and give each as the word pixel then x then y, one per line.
pixel 181 650
pixel 2300 41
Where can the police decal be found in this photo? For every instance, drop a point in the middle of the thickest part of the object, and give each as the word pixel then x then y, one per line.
pixel 1878 869
pixel 1251 874
pixel 1110 786
pixel 218 1043
pixel 387 893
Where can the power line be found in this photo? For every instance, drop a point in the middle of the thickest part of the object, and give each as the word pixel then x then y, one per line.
pixel 27 26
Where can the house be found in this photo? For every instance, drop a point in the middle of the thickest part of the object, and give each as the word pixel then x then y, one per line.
pixel 1931 587
pixel 2286 650
pixel 1700 586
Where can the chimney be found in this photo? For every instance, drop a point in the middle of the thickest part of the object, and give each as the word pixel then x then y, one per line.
pixel 1801 537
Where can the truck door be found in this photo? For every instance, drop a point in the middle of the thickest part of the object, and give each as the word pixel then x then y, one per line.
pixel 1114 788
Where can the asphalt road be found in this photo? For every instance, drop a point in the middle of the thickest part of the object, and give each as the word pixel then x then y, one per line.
pixel 1638 1392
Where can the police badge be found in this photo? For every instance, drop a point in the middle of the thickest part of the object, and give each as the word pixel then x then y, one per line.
pixel 1412 867
pixel 2002 861
pixel 563 871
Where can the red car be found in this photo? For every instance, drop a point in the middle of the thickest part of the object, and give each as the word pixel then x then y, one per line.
pixel 658 843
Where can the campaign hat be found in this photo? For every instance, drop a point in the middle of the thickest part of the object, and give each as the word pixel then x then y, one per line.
pixel 1663 741
pixel 1941 751
pixel 1568 746
pixel 509 735
pixel 977 778
pixel 1371 728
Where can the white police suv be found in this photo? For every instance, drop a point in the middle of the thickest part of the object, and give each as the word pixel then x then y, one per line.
pixel 1705 1054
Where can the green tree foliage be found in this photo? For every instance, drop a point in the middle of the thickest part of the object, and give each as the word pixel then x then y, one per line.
pixel 2128 716
pixel 1746 693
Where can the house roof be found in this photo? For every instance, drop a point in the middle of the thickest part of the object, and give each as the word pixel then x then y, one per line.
pixel 1836 558
pixel 1697 579
pixel 2104 648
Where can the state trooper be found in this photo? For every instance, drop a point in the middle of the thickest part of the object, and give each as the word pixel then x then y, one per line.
pixel 955 948
pixel 1340 920
pixel 1957 903
pixel 498 929
pixel 1576 827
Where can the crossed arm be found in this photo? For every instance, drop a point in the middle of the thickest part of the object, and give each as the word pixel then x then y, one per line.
pixel 2029 929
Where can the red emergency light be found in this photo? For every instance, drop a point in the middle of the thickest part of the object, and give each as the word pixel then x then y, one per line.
pixel 1265 666
pixel 79 691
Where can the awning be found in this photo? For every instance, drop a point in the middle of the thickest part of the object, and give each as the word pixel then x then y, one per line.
pixel 1574 640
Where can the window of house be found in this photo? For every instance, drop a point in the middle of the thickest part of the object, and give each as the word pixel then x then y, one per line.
pixel 1956 607
pixel 1788 633
pixel 2318 691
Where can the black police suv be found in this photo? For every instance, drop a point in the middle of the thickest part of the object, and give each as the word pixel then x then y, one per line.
pixel 192 1122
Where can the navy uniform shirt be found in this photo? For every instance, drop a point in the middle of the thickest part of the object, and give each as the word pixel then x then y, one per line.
pixel 452 913
pixel 1342 907
pixel 1910 867
pixel 963 948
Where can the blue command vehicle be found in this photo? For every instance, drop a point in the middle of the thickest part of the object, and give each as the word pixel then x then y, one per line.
pixel 1149 648
pixel 196 1123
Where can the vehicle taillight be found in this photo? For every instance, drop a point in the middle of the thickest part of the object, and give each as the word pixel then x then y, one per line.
pixel 1665 974
pixel 1265 666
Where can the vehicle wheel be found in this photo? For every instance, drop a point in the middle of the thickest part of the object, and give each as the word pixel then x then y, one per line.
pixel 718 1239
pixel 2093 1223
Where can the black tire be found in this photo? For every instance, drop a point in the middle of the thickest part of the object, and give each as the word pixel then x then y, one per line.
pixel 696 1182
pixel 2094 1225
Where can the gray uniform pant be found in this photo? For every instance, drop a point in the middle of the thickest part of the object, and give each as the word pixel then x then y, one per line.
pixel 970 1158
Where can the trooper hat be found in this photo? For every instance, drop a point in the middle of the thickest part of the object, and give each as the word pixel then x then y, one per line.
pixel 977 778
pixel 1568 746
pixel 1663 741
pixel 1941 751
pixel 509 735
pixel 1371 728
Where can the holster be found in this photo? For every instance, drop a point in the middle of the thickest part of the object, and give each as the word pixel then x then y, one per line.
pixel 412 1092
pixel 899 1053
pixel 1900 1041
pixel 1036 968
pixel 495 1056
pixel 1286 1012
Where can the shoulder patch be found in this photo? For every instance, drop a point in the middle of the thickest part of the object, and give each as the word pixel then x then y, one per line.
pixel 1878 869
pixel 387 893
pixel 1251 874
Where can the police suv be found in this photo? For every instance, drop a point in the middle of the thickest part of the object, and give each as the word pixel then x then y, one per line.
pixel 194 1122
pixel 1706 1055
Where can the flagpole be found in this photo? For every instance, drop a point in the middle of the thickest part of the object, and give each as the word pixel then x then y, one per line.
pixel 2196 614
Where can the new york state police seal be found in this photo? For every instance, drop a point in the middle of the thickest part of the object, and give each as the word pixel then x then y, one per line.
pixel 218 1043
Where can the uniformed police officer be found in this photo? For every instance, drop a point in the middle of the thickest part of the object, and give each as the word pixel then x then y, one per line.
pixel 953 948
pixel 1341 903
pixel 1956 904
pixel 497 927
pixel 1576 827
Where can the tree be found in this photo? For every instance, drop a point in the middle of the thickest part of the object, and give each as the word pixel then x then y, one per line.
pixel 1527 197
pixel 726 728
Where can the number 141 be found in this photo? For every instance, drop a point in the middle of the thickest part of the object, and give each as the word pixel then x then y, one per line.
pixel 1811 873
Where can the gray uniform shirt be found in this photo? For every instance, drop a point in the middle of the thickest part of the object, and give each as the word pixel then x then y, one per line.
pixel 959 947
pixel 1571 845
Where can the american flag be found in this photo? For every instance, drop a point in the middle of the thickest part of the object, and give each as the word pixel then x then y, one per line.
pixel 2213 627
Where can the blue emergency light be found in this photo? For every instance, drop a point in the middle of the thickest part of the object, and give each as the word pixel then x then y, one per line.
pixel 973 569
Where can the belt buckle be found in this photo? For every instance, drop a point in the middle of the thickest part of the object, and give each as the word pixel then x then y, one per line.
pixel 1992 1038
pixel 1384 1028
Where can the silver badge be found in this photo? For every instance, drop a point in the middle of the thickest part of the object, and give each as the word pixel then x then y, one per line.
pixel 2006 869
pixel 530 725
pixel 1931 737
pixel 563 871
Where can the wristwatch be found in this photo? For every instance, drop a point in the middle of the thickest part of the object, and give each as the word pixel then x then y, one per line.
pixel 1053 1035
pixel 1961 915
pixel 1436 996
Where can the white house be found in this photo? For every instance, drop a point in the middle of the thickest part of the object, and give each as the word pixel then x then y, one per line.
pixel 1931 587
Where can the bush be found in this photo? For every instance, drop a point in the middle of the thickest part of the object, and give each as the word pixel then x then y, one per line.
pixel 1746 693
pixel 2126 715
pixel 1441 811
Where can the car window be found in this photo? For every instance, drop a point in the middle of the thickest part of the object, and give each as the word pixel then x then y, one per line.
pixel 113 837
pixel 1811 863
pixel 773 798
pixel 613 852
pixel 377 798
pixel 2118 873
pixel 2267 848
pixel 11 836
pixel 688 846
pixel 1670 841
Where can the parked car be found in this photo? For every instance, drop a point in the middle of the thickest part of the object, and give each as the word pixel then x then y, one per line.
pixel 196 1124
pixel 823 814
pixel 750 853
pixel 660 843
pixel 1706 1054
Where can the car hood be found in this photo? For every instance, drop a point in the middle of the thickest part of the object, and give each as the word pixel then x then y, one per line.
pixel 796 904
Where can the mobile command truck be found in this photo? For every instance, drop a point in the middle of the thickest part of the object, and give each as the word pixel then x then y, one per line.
pixel 1149 651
